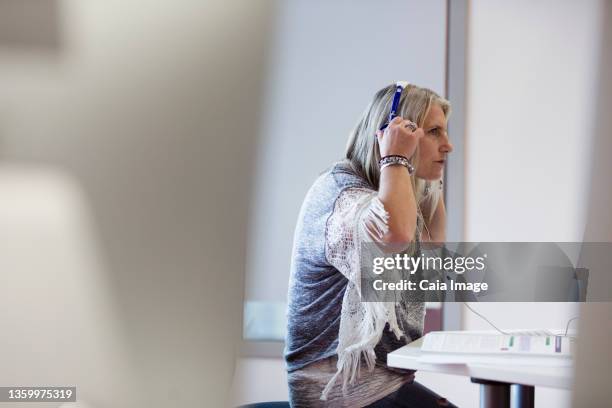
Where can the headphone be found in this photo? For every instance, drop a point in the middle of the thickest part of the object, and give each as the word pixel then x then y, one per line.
pixel 399 87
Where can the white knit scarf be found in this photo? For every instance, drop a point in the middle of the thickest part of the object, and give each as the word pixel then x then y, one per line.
pixel 359 217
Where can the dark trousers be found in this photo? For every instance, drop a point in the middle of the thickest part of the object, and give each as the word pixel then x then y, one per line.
pixel 412 395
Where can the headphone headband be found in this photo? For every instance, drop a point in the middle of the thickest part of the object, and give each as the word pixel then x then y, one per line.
pixel 399 87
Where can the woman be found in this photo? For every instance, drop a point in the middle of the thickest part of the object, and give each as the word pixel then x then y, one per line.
pixel 388 191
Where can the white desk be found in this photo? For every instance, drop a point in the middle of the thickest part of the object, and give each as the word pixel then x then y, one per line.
pixel 497 382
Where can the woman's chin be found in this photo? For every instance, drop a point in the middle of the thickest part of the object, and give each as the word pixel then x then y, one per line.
pixel 431 176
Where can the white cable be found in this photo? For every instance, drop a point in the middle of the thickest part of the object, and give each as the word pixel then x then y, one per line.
pixel 528 333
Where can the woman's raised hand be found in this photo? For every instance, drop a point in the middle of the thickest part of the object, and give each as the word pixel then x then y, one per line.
pixel 399 138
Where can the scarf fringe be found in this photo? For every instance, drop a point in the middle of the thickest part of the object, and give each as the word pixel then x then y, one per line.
pixel 360 339
pixel 371 330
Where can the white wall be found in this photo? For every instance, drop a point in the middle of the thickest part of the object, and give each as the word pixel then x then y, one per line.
pixel 593 355
pixel 259 379
pixel 531 93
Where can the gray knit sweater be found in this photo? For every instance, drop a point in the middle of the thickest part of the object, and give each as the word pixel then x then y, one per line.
pixel 317 286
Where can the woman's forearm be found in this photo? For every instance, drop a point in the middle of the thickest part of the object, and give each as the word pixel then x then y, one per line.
pixel 396 193
pixel 400 138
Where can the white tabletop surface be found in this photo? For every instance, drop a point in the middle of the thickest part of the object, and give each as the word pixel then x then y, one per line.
pixel 555 377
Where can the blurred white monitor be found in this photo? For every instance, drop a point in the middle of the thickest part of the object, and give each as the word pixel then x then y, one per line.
pixel 56 310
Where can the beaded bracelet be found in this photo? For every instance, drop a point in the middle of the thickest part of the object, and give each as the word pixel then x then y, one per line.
pixel 396 159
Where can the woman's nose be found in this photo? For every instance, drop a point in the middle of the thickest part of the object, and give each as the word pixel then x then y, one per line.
pixel 446 147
